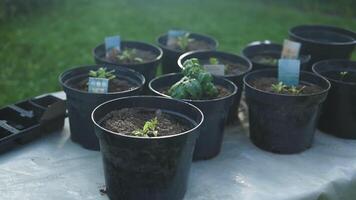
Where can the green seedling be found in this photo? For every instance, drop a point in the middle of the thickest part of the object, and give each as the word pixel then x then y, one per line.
pixel 129 55
pixel 279 87
pixel 264 59
pixel 196 83
pixel 183 41
pixel 213 61
pixel 343 75
pixel 294 90
pixel 282 88
pixel 102 73
pixel 149 129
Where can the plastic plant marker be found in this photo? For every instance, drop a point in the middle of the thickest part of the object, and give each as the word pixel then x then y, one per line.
pixel 98 85
pixel 290 49
pixel 112 43
pixel 23 112
pixel 218 69
pixel 288 71
pixel 173 35
pixel 288 65
pixel 3 124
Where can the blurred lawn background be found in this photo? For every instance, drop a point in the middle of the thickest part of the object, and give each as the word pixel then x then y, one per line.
pixel 39 41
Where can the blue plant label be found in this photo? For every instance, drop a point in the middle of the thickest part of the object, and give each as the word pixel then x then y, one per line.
pixel 290 49
pixel 112 44
pixel 98 85
pixel 218 69
pixel 172 36
pixel 288 71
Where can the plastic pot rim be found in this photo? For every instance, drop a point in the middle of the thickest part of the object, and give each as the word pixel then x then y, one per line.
pixel 132 42
pixel 190 100
pixel 317 71
pixel 164 46
pixel 264 43
pixel 189 53
pixel 147 138
pixel 247 84
pixel 333 29
pixel 63 74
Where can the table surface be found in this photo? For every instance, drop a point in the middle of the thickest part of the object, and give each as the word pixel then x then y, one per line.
pixel 53 167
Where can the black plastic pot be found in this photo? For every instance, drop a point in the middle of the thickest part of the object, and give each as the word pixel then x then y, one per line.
pixel 338 115
pixel 215 113
pixel 148 69
pixel 170 56
pixel 235 78
pixel 147 168
pixel 283 123
pixel 324 42
pixel 80 104
pixel 270 49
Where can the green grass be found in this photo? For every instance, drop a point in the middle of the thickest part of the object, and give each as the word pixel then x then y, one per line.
pixel 36 48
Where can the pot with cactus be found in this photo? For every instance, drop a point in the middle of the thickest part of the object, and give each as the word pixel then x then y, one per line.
pixel 214 96
pixel 233 67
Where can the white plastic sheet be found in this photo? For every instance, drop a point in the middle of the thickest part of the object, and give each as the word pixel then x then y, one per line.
pixel 56 168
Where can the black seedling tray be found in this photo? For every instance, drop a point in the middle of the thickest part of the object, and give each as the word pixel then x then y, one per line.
pixel 26 120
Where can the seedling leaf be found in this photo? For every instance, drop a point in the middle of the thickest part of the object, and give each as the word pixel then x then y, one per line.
pixel 149 129
pixel 183 41
pixel 129 55
pixel 102 73
pixel 213 61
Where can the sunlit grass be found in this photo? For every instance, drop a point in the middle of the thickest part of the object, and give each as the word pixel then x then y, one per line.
pixel 36 49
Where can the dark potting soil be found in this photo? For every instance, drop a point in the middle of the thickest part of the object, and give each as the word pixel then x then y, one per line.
pixel 146 56
pixel 231 68
pixel 115 85
pixel 222 92
pixel 265 59
pixel 127 120
pixel 193 45
pixel 349 77
pixel 265 84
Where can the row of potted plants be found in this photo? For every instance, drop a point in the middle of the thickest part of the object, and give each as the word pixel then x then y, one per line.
pixel 323 42
pixel 148 142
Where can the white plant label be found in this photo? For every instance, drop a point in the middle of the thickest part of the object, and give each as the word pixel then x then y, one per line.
pixel 218 69
pixel 112 45
pixel 290 49
pixel 98 85
pixel 288 71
